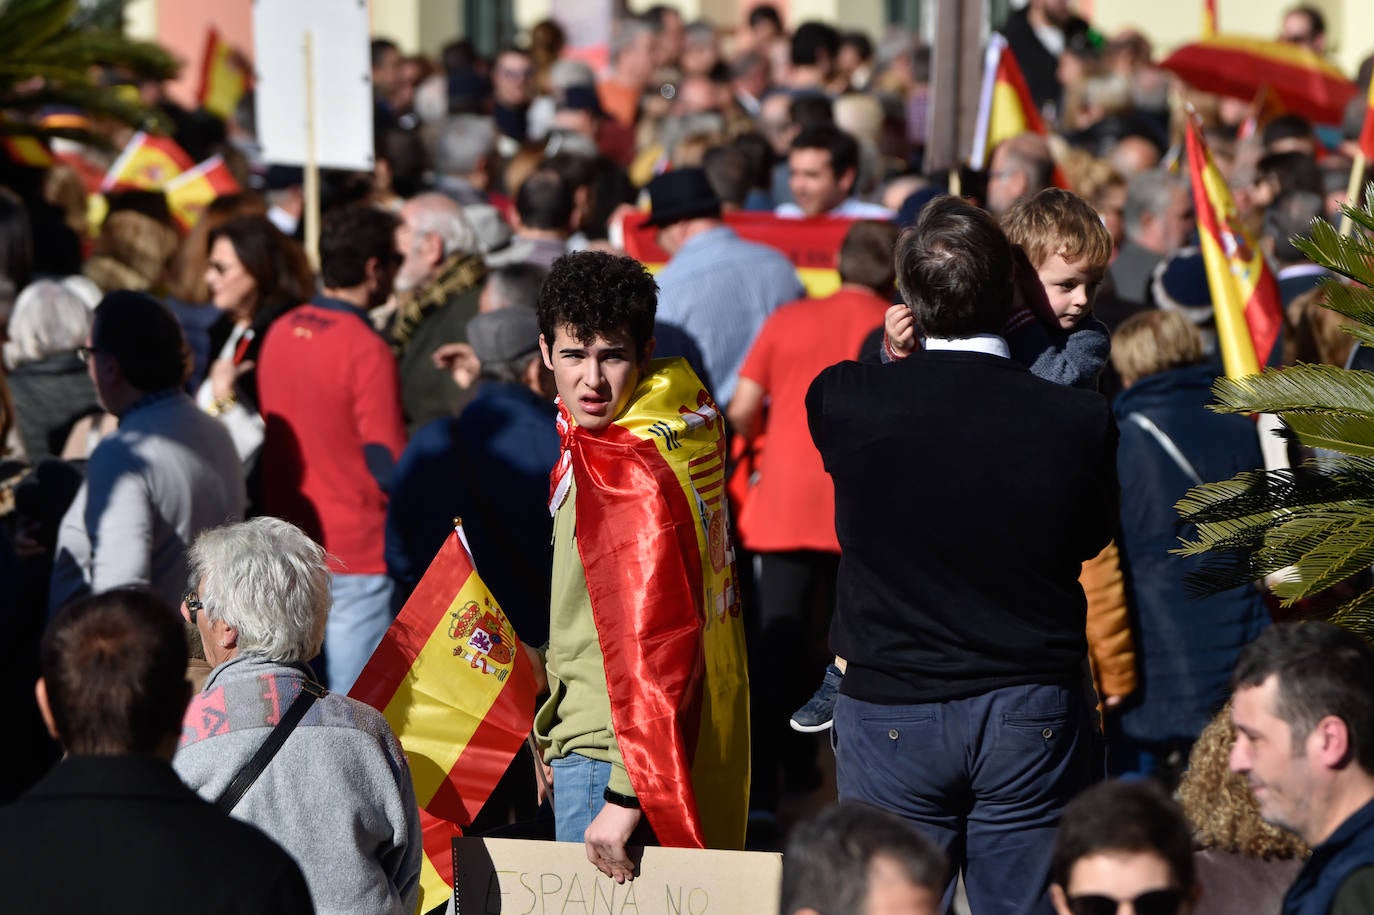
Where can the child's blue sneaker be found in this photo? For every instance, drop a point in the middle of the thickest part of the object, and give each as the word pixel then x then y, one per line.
pixel 818 714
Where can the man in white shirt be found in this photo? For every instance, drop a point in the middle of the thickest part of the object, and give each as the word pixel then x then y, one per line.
pixel 824 164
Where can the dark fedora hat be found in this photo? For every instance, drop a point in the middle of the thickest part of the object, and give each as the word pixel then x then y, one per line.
pixel 683 193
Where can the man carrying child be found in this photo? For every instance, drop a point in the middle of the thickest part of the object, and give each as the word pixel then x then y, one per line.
pixel 958 605
pixel 646 726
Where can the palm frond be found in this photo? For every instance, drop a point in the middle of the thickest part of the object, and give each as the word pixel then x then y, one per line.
pixel 1300 387
pixel 1350 255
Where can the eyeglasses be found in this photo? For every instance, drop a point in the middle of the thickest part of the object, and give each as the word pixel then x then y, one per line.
pixel 86 352
pixel 192 601
pixel 1155 902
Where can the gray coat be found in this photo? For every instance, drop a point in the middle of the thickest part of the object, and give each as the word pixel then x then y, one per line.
pixel 168 473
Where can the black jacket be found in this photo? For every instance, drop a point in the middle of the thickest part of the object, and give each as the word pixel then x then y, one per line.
pixel 968 493
pixel 122 834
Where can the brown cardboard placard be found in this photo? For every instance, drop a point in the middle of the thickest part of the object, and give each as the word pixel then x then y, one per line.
pixel 523 877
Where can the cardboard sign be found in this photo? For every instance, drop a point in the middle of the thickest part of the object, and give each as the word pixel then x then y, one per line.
pixel 341 78
pixel 519 877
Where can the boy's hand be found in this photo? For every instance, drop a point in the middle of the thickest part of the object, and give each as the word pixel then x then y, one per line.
pixel 606 837
pixel 899 327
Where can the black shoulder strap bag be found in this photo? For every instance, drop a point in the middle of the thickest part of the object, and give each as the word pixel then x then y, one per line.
pixel 238 786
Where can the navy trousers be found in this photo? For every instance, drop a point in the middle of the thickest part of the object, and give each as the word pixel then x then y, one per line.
pixel 985 777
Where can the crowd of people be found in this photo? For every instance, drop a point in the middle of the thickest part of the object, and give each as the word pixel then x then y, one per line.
pixel 913 514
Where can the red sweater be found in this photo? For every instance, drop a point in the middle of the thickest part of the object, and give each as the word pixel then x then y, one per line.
pixel 328 390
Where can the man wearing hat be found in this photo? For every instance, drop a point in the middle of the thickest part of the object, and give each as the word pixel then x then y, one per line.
pixel 717 287
pixel 489 466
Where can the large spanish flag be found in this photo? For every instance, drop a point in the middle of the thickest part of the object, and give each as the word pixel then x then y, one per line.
pixel 652 524
pixel 189 193
pixel 1239 65
pixel 1245 295
pixel 812 245
pixel 455 686
pixel 147 163
pixel 1005 106
pixel 224 76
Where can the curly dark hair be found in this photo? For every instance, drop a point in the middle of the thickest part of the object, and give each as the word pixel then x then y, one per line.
pixel 596 294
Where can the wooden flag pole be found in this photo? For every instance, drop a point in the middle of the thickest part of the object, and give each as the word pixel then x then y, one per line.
pixel 1352 190
pixel 311 186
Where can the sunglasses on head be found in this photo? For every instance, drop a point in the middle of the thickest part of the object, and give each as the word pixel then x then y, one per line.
pixel 1155 902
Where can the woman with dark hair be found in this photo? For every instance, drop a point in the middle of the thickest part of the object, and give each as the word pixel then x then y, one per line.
pixel 255 274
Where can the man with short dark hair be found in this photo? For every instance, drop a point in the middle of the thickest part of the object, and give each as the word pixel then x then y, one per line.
pixel 958 601
pixel 543 219
pixel 814 47
pixel 823 166
pixel 1304 717
pixel 1287 220
pixel 1124 842
pixel 169 472
pixel 113 691
pixel 642 564
pixel 858 860
pixel 1305 26
pixel 330 395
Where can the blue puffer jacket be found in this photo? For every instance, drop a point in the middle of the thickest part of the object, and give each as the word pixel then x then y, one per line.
pixel 1186 646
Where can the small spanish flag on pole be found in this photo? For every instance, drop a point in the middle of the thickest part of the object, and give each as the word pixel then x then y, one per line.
pixel 224 76
pixel 1209 18
pixel 1245 295
pixel 1362 157
pixel 189 193
pixel 1005 106
pixel 147 163
pixel 457 689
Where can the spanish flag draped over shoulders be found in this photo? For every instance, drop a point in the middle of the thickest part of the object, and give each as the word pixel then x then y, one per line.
pixel 452 681
pixel 1245 294
pixel 653 537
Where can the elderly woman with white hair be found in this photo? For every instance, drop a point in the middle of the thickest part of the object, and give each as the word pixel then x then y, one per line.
pixel 48 380
pixel 338 794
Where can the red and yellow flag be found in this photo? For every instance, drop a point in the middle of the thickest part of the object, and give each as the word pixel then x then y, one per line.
pixel 1245 295
pixel 1367 132
pixel 653 536
pixel 26 151
pixel 224 76
pixel 1005 106
pixel 189 193
pixel 812 245
pixel 1209 18
pixel 457 689
pixel 147 163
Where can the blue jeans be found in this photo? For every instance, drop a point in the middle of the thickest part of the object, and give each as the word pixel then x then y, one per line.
pixel 359 618
pixel 579 784
pixel 985 777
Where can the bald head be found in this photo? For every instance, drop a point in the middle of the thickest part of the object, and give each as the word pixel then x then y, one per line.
pixel 1133 155
pixel 1021 165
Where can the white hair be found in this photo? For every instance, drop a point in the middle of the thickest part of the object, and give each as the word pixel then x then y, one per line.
pixel 436 214
pixel 565 73
pixel 431 98
pixel 269 581
pixel 47 319
pixel 464 141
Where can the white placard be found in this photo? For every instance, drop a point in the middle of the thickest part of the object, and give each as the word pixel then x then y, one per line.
pixel 341 42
